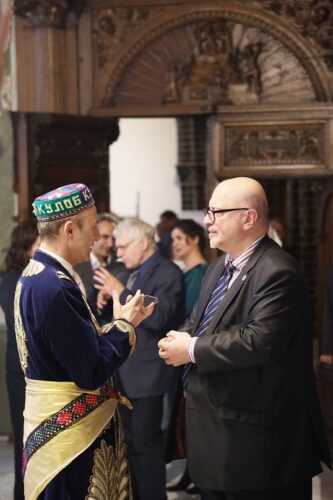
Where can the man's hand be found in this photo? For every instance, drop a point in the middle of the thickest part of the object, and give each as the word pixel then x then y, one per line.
pixel 106 283
pixel 174 348
pixel 134 310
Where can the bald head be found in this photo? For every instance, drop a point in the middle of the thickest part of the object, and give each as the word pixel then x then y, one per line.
pixel 232 231
pixel 243 192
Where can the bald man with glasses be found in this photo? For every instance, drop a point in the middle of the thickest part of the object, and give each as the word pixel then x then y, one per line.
pixel 253 422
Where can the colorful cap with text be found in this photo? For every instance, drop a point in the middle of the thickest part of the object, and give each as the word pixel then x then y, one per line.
pixel 62 202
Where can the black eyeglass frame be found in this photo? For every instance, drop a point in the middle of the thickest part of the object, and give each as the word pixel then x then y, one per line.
pixel 210 212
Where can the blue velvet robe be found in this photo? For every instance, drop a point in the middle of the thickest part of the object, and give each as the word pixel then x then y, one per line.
pixel 63 345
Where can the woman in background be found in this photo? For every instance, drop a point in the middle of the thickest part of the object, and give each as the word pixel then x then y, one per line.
pixel 24 241
pixel 188 244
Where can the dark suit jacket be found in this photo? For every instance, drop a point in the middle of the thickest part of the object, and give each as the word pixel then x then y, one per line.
pixel 144 374
pixel 252 414
pixel 7 292
pixel 327 345
pixel 86 272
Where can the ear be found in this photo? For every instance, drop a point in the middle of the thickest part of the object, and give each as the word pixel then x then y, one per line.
pixel 144 243
pixel 68 228
pixel 250 218
pixel 195 240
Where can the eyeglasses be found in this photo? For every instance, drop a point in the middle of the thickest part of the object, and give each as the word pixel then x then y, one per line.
pixel 210 212
pixel 125 246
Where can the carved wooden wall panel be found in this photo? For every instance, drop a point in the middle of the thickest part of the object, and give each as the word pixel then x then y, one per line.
pixel 165 57
pixel 54 150
pixel 195 58
pixel 268 143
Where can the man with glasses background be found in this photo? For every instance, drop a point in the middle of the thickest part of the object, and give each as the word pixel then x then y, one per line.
pixel 253 422
pixel 145 378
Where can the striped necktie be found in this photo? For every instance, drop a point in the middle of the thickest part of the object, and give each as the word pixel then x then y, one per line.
pixel 214 301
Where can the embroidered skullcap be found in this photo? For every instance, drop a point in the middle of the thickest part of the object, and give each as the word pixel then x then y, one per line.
pixel 62 202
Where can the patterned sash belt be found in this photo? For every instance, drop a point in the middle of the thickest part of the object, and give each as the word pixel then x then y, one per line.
pixel 69 415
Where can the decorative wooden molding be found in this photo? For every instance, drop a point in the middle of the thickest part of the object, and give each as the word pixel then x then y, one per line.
pixel 47 13
pixel 112 26
pixel 270 143
pixel 279 144
pixel 176 47
pixel 313 19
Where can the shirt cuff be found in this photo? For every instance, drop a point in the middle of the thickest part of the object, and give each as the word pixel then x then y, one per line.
pixel 191 349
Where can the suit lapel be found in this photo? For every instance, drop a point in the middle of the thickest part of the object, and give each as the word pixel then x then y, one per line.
pixel 142 279
pixel 237 285
pixel 210 285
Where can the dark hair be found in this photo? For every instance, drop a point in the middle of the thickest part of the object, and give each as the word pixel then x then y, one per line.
pixel 192 229
pixel 169 215
pixel 23 237
pixel 109 217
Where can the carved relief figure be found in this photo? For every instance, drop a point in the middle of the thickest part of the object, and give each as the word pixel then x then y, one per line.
pixel 312 18
pixel 216 70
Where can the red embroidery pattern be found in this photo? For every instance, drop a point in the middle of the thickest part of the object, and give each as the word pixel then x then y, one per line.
pixel 63 419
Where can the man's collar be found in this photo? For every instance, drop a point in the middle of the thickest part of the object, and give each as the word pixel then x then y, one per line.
pixel 149 262
pixel 240 261
pixel 62 261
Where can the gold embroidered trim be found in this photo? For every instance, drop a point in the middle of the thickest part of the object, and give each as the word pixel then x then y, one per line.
pixel 124 327
pixel 110 477
pixel 103 481
pixel 63 276
pixel 21 336
pixel 33 268
pixel 120 324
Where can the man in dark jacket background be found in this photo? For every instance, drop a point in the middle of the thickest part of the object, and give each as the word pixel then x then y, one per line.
pixel 145 378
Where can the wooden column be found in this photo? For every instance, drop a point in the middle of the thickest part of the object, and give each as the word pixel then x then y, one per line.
pixel 47 56
pixel 21 165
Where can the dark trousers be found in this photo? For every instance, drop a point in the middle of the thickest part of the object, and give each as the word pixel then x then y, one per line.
pixel 145 447
pixel 16 395
pixel 299 491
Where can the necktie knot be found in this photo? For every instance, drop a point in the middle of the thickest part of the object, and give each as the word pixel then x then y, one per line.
pixel 229 266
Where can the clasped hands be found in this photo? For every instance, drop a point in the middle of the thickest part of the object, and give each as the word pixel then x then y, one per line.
pixel 173 348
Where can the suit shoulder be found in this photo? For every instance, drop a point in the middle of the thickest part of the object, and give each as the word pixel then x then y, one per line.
pixel 280 258
pixel 169 266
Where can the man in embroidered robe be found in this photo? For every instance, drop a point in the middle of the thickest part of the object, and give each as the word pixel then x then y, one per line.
pixel 73 447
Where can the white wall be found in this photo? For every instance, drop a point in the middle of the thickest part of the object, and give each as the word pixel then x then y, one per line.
pixel 143 177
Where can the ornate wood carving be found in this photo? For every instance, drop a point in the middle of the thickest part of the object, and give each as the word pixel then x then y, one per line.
pixel 312 18
pixel 270 143
pixel 112 26
pixel 275 145
pixel 47 13
pixel 203 57
pixel 216 70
